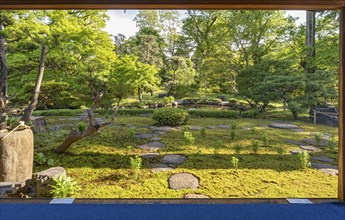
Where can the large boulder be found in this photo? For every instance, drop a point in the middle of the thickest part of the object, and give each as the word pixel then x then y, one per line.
pixel 16 155
pixel 183 181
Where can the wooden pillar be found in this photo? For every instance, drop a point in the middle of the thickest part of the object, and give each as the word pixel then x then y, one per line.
pixel 341 157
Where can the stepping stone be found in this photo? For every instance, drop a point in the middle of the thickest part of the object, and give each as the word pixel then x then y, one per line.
pixel 310 148
pixel 196 128
pixel 159 132
pixel 294 152
pixel 174 159
pixel 195 196
pixel 323 166
pixel 298 130
pixel 183 181
pixel 329 171
pixel 151 146
pixel 143 136
pixel 294 142
pixel 155 139
pixel 132 127
pixel 283 125
pixel 223 126
pixel 211 127
pixel 323 159
pixel 312 141
pixel 164 128
pixel 149 155
pixel 156 168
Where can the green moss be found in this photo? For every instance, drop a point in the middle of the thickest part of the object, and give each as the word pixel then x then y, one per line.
pixel 100 164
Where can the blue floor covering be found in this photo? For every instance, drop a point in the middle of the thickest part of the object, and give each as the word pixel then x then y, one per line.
pixel 323 211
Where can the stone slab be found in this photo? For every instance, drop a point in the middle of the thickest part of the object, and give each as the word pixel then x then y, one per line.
pixel 212 127
pixel 329 171
pixel 144 136
pixel 149 155
pixel 151 146
pixel 283 125
pixel 163 128
pixel 195 128
pixel 297 130
pixel 223 126
pixel 310 148
pixel 323 166
pixel 195 196
pixel 183 181
pixel 156 168
pixel 174 159
pixel 312 141
pixel 323 159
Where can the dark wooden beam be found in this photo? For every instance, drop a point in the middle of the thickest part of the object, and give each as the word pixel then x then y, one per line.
pixel 341 156
pixel 173 4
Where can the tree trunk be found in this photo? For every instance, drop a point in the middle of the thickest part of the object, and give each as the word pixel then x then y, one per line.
pixel 139 95
pixel 75 135
pixel 310 42
pixel 3 82
pixel 31 107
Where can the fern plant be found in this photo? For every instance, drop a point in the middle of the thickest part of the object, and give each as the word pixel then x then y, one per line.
pixel 234 161
pixel 136 164
pixel 304 158
pixel 63 187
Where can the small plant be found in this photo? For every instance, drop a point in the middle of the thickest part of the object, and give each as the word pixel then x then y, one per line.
pixel 203 132
pixel 280 150
pixel 234 161
pixel 265 139
pixel 233 126
pixel 186 128
pixel 318 139
pixel 82 126
pixel 238 148
pixel 233 134
pixel 132 133
pixel 332 144
pixel 217 146
pixel 12 121
pixel 255 146
pixel 188 138
pixel 303 158
pixel 170 116
pixel 40 159
pixel 63 187
pixel 253 130
pixel 129 149
pixel 135 163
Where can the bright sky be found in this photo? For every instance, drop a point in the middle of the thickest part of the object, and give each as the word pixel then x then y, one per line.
pixel 121 22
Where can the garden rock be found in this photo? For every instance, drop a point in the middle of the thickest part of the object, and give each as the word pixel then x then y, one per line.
pixel 164 128
pixel 174 159
pixel 159 132
pixel 211 127
pixel 323 159
pixel 323 166
pixel 310 148
pixel 312 141
pixel 329 171
pixel 151 146
pixel 294 142
pixel 195 196
pixel 149 155
pixel 183 181
pixel 223 126
pixel 161 168
pixel 195 128
pixel 143 136
pixel 39 124
pixel 283 125
pixel 45 178
pixel 298 130
pixel 155 139
pixel 294 152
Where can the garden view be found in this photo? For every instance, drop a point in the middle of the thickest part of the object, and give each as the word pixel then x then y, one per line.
pixel 197 104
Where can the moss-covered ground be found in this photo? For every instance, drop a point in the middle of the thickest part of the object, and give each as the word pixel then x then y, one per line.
pixel 100 164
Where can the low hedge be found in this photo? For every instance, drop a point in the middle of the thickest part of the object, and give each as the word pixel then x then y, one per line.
pixel 252 113
pixel 171 116
pixel 213 114
pixel 58 112
pixel 201 101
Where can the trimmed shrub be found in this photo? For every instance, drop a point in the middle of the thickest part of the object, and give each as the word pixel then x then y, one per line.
pixel 58 112
pixel 252 113
pixel 213 114
pixel 201 101
pixel 171 116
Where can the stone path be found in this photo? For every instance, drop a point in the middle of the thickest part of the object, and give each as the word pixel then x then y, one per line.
pixel 144 136
pixel 149 155
pixel 310 148
pixel 183 181
pixel 283 125
pixel 151 146
pixel 323 159
pixel 163 128
pixel 223 126
pixel 312 141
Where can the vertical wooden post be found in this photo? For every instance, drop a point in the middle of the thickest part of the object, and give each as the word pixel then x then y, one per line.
pixel 341 157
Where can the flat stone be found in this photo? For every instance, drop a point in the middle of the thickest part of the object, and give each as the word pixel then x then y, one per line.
pixel 211 127
pixel 283 125
pixel 223 126
pixel 143 136
pixel 298 130
pixel 155 139
pixel 52 172
pixel 312 141
pixel 183 181
pixel 329 171
pixel 132 127
pixel 149 155
pixel 246 128
pixel 294 142
pixel 323 159
pixel 174 159
pixel 159 133
pixel 195 196
pixel 294 152
pixel 195 128
pixel 323 166
pixel 163 128
pixel 151 146
pixel 161 168
pixel 310 148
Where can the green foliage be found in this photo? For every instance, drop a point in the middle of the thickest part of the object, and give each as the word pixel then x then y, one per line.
pixel 265 139
pixel 171 116
pixel 252 113
pixel 233 125
pixel 201 101
pixel 58 112
pixel 318 138
pixel 253 130
pixel 238 148
pixel 203 132
pixel 213 113
pixel 255 146
pixel 280 150
pixel 40 159
pixel 132 133
pixel 168 99
pixel 82 126
pixel 12 121
pixel 135 163
pixel 188 138
pixel 63 187
pixel 233 134
pixel 303 158
pixel 217 146
pixel 234 161
pixel 129 149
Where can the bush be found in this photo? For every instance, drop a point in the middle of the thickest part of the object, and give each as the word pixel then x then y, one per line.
pixel 63 187
pixel 213 113
pixel 58 112
pixel 201 101
pixel 252 113
pixel 171 116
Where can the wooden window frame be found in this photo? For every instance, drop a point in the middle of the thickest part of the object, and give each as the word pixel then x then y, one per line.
pixel 220 4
